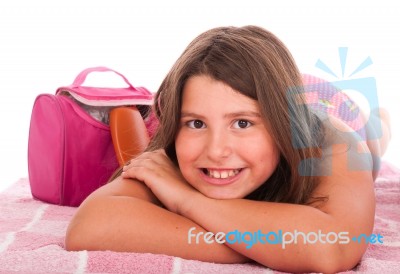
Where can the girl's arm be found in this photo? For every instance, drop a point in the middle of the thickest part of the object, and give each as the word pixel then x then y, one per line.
pixel 329 227
pixel 348 213
pixel 125 216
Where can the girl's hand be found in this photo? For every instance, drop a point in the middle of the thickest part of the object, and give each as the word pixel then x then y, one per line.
pixel 165 180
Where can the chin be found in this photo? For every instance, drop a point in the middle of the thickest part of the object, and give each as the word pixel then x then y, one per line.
pixel 222 195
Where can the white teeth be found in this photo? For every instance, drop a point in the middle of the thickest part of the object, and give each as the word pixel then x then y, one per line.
pixel 222 174
pixel 215 174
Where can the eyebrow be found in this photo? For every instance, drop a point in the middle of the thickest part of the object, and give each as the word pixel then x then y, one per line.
pixel 228 115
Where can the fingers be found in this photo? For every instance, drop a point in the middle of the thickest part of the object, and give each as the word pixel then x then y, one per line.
pixel 147 164
pixel 156 157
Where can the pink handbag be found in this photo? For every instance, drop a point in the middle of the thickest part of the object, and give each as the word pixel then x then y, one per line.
pixel 70 149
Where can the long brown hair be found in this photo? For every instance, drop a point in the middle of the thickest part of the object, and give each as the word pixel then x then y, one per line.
pixel 256 63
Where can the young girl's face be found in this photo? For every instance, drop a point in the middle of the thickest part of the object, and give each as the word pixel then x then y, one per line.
pixel 223 147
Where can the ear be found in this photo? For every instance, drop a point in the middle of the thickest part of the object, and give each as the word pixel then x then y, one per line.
pixel 128 132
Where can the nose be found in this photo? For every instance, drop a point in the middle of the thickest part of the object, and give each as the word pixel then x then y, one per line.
pixel 219 145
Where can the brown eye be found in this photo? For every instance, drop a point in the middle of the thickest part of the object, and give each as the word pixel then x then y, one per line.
pixel 242 124
pixel 195 124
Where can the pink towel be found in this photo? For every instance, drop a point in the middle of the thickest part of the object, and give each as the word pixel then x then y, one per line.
pixel 32 238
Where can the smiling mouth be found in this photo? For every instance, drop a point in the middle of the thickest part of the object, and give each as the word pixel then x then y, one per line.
pixel 221 173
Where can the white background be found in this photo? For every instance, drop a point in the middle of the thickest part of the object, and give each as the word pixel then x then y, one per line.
pixel 44 44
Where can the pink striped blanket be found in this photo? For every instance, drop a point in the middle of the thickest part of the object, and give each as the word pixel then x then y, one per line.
pixel 32 239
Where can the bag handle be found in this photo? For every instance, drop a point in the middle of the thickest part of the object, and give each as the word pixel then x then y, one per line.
pixel 80 79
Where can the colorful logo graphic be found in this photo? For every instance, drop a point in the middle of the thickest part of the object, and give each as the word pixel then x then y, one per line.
pixel 330 100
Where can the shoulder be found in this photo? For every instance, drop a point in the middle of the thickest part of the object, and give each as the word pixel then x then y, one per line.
pixel 348 185
pixel 342 143
pixel 346 178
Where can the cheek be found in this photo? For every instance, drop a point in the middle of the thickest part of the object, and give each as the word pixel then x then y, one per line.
pixel 262 144
pixel 264 152
pixel 186 149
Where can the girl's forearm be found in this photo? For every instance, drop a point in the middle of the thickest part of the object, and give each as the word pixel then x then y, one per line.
pixel 129 224
pixel 236 218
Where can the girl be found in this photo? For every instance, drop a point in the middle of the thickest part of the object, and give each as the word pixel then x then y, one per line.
pixel 238 152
